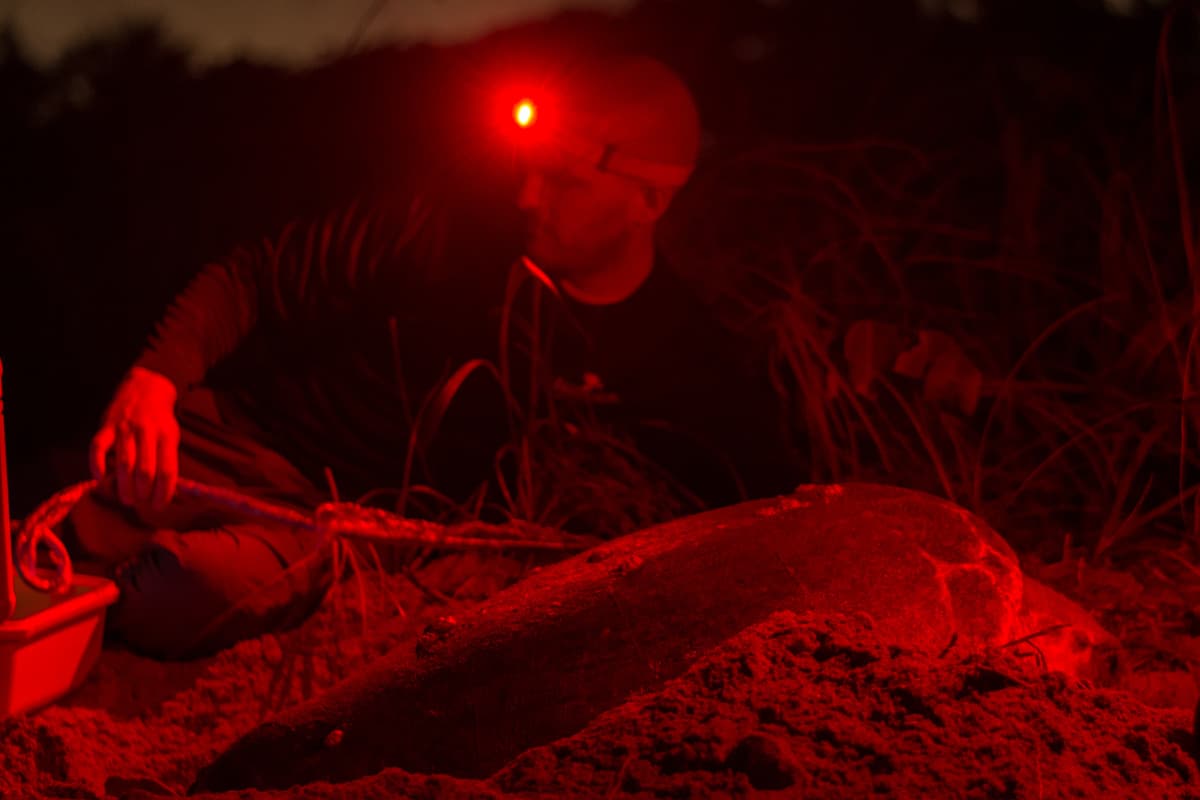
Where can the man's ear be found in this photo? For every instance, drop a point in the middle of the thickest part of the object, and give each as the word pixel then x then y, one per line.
pixel 652 203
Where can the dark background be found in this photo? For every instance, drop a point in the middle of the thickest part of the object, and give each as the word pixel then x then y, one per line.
pixel 123 170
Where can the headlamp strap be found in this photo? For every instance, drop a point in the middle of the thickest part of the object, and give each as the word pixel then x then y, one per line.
pixel 606 157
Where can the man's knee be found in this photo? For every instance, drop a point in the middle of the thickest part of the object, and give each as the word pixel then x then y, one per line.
pixel 102 531
pixel 188 595
pixel 163 605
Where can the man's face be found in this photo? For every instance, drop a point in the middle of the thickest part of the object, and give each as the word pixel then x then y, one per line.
pixel 578 216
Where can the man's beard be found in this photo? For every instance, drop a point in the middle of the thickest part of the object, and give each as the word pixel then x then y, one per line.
pixel 560 261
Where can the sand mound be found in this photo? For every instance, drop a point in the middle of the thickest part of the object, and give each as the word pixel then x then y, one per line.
pixel 806 705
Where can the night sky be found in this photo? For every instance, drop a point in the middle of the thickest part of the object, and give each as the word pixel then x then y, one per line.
pixel 285 31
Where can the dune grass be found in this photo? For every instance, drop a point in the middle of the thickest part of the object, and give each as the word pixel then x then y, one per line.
pixel 1028 350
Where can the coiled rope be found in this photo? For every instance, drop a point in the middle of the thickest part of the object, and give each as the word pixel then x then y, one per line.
pixel 330 520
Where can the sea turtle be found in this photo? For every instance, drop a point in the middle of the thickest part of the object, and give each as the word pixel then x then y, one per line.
pixel 542 658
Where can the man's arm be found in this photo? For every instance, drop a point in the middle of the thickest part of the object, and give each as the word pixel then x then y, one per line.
pixel 206 322
pixel 308 273
pixel 305 273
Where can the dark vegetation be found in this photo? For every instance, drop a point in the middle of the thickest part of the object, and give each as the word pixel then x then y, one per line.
pixel 968 248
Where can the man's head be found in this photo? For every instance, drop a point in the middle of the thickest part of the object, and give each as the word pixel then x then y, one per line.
pixel 609 148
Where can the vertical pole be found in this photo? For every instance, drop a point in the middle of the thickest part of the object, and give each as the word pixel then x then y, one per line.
pixel 8 598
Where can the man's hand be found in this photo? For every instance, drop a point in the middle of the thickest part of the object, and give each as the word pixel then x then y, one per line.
pixel 142 434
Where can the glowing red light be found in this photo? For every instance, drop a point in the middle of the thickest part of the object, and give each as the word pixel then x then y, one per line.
pixel 525 113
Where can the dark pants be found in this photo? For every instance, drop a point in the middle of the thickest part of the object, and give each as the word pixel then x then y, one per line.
pixel 196 578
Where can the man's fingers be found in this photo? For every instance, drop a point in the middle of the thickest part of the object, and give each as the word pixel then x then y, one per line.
pixel 168 470
pixel 125 450
pixel 102 442
pixel 147 464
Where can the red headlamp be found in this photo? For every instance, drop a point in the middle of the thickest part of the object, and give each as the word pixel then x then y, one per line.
pixel 552 134
pixel 525 113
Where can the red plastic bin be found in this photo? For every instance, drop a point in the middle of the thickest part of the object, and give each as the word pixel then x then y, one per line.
pixel 51 642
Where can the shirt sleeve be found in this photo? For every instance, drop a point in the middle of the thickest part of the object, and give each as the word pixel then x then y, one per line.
pixel 309 271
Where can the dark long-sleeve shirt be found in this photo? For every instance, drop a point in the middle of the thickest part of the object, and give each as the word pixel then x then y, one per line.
pixel 328 340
